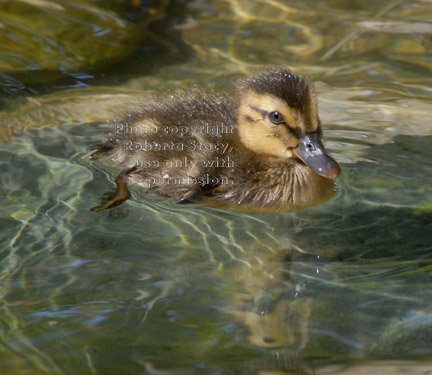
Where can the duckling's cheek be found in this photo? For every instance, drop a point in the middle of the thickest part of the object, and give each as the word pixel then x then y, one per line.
pixel 289 153
pixel 290 142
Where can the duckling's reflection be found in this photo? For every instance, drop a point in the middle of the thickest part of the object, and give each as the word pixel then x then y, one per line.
pixel 268 301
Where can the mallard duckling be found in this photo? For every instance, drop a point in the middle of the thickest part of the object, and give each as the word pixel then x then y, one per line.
pixel 258 150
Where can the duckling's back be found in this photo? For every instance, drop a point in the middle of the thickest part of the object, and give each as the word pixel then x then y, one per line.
pixel 178 143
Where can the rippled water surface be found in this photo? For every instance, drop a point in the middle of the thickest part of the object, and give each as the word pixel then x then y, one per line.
pixel 152 287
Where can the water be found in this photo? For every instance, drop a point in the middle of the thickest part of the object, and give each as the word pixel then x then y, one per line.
pixel 152 287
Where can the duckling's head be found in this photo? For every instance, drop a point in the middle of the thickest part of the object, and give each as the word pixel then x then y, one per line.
pixel 278 117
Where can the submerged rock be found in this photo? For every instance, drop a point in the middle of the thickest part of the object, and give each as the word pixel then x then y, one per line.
pixel 75 106
pixel 58 35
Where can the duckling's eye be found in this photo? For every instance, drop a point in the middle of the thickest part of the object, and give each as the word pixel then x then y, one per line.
pixel 276 118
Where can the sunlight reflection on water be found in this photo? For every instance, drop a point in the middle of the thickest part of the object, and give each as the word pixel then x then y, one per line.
pixel 155 288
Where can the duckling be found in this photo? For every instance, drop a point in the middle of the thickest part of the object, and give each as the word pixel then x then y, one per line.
pixel 259 150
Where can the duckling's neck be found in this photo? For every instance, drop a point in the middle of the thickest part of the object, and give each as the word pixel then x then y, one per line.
pixel 307 187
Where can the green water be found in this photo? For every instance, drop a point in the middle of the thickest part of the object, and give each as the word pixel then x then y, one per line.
pixel 152 287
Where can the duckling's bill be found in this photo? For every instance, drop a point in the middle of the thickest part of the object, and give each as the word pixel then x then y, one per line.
pixel 313 153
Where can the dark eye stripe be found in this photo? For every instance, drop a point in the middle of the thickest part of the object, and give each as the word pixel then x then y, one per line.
pixel 259 110
pixel 248 118
pixel 296 132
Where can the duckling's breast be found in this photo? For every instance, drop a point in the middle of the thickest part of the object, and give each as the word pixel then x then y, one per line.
pixel 284 186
